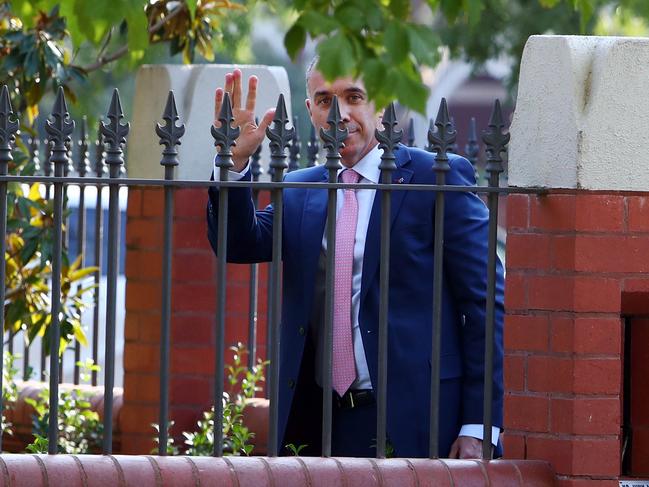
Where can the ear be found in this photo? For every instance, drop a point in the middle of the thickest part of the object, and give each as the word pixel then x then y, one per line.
pixel 307 102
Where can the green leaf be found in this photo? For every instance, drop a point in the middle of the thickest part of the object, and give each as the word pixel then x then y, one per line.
pixel 191 5
pixel 548 3
pixel 474 10
pixel 400 8
pixel 336 57
pixel 351 16
pixel 412 93
pixel 424 45
pixel 396 42
pixel 294 40
pixel 316 23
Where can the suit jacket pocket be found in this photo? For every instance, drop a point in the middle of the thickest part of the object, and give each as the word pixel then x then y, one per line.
pixel 450 366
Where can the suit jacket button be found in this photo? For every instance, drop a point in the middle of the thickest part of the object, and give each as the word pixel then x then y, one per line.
pixel 301 331
pixel 291 383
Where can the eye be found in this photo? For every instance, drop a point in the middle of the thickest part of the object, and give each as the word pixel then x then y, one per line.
pixel 324 101
pixel 355 98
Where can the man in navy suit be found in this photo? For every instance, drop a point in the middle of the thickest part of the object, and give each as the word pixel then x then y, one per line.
pixel 410 295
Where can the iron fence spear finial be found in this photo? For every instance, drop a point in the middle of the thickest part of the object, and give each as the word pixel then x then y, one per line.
pixel 114 133
pixel 83 166
pixel 8 130
pixel 388 138
pixel 295 148
pixel 312 148
pixel 280 137
pixel 59 131
pixel 170 134
pixel 226 135
pixel 442 139
pixel 496 140
pixel 334 137
pixel 411 132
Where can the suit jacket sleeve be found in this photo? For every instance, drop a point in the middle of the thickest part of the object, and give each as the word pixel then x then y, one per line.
pixel 250 232
pixel 465 270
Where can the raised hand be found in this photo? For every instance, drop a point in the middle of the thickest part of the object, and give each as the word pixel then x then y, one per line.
pixel 244 117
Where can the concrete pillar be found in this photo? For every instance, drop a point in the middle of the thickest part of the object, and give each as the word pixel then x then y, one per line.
pixel 577 255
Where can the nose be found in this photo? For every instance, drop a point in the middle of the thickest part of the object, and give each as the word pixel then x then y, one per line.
pixel 344 111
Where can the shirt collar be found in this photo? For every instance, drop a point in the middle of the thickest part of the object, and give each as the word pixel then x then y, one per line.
pixel 368 166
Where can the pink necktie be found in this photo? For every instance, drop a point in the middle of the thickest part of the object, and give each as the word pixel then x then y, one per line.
pixel 344 366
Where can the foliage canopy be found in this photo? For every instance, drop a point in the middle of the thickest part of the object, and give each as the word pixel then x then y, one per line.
pixel 385 42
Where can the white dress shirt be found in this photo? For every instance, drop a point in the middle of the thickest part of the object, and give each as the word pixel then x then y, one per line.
pixel 368 169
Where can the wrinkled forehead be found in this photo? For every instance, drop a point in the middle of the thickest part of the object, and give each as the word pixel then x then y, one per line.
pixel 318 86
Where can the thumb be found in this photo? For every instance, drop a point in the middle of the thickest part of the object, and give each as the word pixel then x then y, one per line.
pixel 455 449
pixel 266 121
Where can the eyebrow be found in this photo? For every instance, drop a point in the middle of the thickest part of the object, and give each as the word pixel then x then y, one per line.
pixel 346 91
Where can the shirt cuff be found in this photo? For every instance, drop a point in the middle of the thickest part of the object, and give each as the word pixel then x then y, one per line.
pixel 476 430
pixel 232 175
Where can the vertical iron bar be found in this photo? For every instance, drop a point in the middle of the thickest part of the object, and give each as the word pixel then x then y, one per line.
pixel 82 170
pixel 114 134
pixel 333 139
pixel 496 143
pixel 59 130
pixel 47 171
pixel 440 142
pixel 35 163
pixel 100 169
pixel 280 137
pixel 253 283
pixel 388 139
pixel 224 138
pixel 170 135
pixel 8 129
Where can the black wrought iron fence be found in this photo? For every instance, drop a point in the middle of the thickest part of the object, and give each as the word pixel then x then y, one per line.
pixel 108 152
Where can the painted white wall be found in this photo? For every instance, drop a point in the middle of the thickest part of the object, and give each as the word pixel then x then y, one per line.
pixel 582 114
pixel 193 88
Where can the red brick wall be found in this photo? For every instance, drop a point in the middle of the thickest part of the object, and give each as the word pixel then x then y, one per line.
pixel 193 314
pixel 575 263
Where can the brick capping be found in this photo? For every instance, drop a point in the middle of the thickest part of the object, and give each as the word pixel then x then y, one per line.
pixel 145 471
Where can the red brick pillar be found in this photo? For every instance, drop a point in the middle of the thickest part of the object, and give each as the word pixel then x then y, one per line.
pixel 576 263
pixel 193 315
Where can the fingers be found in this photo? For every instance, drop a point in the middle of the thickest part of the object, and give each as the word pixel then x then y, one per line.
pixel 236 89
pixel 218 102
pixel 251 100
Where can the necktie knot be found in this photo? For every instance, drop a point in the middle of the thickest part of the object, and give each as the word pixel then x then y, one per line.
pixel 350 176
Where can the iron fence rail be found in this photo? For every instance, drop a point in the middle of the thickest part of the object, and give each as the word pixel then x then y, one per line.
pixel 109 152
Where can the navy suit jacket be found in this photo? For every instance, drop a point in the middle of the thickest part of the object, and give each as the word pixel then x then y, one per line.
pixel 410 294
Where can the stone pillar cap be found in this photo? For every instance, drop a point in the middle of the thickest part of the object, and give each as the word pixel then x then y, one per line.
pixel 582 114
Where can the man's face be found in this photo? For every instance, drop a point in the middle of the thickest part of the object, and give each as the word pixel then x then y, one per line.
pixel 358 115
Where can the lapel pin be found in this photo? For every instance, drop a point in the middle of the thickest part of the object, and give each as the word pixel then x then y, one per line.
pixel 399 181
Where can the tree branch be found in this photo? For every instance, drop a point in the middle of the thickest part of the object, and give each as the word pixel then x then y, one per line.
pixel 160 23
pixel 109 58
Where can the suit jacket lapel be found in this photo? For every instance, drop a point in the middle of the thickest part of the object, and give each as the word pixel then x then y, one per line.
pixel 372 242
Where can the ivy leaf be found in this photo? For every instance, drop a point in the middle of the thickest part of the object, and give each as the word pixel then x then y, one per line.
pixel 294 40
pixel 336 57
